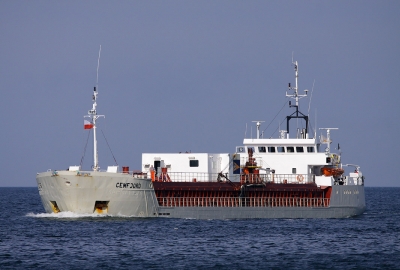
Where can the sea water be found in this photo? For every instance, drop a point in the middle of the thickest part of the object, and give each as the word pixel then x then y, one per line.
pixel 30 238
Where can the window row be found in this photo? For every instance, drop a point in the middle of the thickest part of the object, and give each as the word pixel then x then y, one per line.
pixel 287 149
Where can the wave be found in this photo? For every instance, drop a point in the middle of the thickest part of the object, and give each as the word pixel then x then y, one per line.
pixel 73 215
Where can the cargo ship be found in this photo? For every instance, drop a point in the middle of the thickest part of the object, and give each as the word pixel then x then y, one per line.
pixel 284 177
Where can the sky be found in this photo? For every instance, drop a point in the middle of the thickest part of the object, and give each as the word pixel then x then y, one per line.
pixel 178 76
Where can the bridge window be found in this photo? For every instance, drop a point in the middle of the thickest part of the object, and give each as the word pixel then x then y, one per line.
pixel 290 149
pixel 262 149
pixel 271 149
pixel 240 149
pixel 281 149
pixel 310 149
pixel 293 170
pixel 193 163
pixel 299 149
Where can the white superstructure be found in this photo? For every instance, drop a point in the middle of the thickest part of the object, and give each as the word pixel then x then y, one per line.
pixel 296 159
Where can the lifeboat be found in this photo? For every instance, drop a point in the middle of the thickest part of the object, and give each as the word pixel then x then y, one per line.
pixel 332 171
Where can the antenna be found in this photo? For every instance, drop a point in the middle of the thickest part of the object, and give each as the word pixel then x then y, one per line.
pixel 296 96
pixel 315 132
pixel 258 127
pixel 327 140
pixel 98 65
pixel 309 104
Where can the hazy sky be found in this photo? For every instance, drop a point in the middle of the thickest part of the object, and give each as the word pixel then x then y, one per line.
pixel 189 75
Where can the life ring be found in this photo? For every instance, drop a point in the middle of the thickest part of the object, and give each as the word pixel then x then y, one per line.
pixel 300 178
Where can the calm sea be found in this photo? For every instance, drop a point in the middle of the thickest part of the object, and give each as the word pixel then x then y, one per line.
pixel 29 238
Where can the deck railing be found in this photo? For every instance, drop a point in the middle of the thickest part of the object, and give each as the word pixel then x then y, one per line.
pixel 243 202
pixel 282 178
pixel 215 177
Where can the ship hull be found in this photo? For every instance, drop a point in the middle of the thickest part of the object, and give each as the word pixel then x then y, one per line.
pixel 125 195
pixel 346 201
pixel 97 192
pixel 258 212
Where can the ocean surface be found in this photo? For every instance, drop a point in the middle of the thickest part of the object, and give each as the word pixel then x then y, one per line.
pixel 31 239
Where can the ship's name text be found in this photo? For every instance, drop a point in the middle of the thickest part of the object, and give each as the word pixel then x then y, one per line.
pixel 128 185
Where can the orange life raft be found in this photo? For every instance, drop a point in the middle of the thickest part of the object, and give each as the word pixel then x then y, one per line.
pixel 332 171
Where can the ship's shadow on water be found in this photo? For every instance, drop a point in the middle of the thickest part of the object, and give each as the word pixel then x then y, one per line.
pixel 29 238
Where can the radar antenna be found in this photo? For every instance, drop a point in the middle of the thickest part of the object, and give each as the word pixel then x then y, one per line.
pixel 258 127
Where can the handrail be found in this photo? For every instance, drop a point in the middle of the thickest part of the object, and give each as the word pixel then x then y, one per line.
pixel 216 177
pixel 281 178
pixel 243 202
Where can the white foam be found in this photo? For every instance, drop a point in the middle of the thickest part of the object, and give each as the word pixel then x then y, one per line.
pixel 65 215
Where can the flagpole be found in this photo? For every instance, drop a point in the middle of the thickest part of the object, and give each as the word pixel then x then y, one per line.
pixel 94 116
pixel 95 155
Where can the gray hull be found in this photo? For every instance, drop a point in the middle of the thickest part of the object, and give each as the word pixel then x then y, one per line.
pixel 125 195
pixel 346 201
pixel 118 193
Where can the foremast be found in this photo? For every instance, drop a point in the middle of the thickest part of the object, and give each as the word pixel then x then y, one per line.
pixel 92 114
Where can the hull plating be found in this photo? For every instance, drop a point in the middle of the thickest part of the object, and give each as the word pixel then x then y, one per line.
pixel 114 193
pixel 346 201
pixel 123 194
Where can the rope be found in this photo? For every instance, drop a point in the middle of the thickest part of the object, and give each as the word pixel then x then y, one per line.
pixel 109 147
pixel 283 121
pixel 274 119
pixel 84 150
pixel 277 128
pixel 311 127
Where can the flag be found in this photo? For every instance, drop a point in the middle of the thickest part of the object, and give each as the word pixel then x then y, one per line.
pixel 87 124
pixel 324 139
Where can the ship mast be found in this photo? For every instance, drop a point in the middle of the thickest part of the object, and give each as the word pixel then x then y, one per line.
pixel 296 96
pixel 94 116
